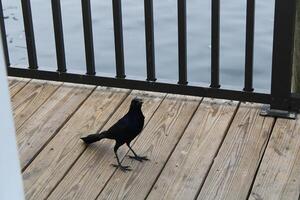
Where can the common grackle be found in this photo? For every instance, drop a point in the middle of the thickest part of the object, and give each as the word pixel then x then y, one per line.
pixel 123 132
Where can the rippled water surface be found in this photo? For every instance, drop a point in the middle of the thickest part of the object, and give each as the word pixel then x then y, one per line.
pixel 233 15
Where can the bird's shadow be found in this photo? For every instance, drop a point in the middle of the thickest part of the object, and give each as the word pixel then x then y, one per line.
pixel 99 147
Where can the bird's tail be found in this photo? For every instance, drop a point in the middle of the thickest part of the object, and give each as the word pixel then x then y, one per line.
pixel 94 137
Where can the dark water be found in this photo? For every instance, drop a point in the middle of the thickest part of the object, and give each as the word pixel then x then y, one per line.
pixel 233 15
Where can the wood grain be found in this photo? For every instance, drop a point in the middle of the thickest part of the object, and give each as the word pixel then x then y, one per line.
pixel 16 84
pixel 50 166
pixel 75 172
pixel 30 98
pixel 48 119
pixel 234 167
pixel 279 172
pixel 157 141
pixel 187 168
pixel 93 168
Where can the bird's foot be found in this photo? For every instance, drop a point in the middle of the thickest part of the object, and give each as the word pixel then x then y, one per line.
pixel 139 158
pixel 121 167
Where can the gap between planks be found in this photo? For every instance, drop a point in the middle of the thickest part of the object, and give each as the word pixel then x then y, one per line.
pixel 260 162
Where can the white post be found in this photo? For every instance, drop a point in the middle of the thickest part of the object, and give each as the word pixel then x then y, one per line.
pixel 11 187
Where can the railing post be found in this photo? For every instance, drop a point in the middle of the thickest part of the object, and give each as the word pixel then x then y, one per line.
pixel 296 64
pixel 29 33
pixel 149 34
pixel 59 36
pixel 182 42
pixel 118 34
pixel 250 23
pixel 88 37
pixel 283 46
pixel 215 44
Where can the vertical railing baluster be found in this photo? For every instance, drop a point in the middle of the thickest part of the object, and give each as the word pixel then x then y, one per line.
pixel 215 44
pixel 149 31
pixel 3 36
pixel 182 42
pixel 118 33
pixel 29 34
pixel 59 37
pixel 283 46
pixel 250 22
pixel 88 37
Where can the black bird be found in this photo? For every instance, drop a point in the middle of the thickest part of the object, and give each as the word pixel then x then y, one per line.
pixel 123 131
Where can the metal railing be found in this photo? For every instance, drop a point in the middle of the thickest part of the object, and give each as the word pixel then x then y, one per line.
pixel 280 97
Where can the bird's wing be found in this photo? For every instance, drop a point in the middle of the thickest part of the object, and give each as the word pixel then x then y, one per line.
pixel 120 126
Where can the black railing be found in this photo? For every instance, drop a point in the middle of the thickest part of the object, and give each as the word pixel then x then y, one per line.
pixel 280 97
pixel 59 36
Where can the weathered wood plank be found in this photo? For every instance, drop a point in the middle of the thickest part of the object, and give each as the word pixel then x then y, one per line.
pixel 48 119
pixel 16 84
pixel 92 169
pixel 234 167
pixel 186 170
pixel 50 166
pixel 157 142
pixel 279 172
pixel 30 98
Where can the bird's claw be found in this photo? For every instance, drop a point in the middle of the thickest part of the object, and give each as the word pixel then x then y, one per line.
pixel 121 167
pixel 139 158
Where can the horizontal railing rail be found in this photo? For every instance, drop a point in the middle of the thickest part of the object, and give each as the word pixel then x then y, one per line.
pixel 280 98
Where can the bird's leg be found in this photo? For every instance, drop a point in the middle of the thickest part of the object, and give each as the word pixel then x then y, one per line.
pixel 119 165
pixel 136 157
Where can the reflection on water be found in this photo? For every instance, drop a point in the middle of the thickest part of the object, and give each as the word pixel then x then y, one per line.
pixel 233 15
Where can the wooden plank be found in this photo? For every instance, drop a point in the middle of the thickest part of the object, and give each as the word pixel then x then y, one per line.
pixel 157 142
pixel 50 166
pixel 235 166
pixel 279 172
pixel 186 169
pixel 48 120
pixel 93 169
pixel 16 84
pixel 14 80
pixel 30 98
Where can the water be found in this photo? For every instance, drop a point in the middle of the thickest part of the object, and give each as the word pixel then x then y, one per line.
pixel 233 16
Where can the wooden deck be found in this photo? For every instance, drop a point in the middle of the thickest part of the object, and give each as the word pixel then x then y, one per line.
pixel 200 148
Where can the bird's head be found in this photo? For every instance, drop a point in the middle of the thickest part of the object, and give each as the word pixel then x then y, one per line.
pixel 136 103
